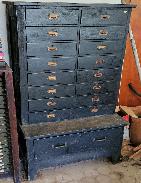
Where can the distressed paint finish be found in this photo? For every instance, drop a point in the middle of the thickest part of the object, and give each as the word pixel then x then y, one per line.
pixel 51 64
pixel 48 16
pixel 71 44
pixel 106 32
pixel 91 140
pixel 38 34
pixel 54 133
pixel 71 102
pixel 105 16
pixel 69 114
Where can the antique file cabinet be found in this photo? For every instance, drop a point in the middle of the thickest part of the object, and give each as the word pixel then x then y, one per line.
pixel 68 58
pixel 67 61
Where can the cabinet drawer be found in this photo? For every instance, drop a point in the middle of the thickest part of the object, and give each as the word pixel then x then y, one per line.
pixel 51 78
pixel 97 75
pixel 104 16
pixel 96 87
pixel 52 104
pixel 96 99
pixel 101 47
pixel 51 64
pixel 51 16
pixel 38 34
pixel 112 32
pixel 97 61
pixel 67 114
pixel 59 146
pixel 51 91
pixel 51 49
pixel 70 102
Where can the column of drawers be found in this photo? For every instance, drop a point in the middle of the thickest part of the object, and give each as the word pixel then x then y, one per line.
pixel 52 60
pixel 74 58
pixel 102 45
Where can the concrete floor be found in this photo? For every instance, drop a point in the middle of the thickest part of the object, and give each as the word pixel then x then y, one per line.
pixel 90 172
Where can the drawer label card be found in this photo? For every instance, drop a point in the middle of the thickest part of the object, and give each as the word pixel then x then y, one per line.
pixel 53 16
pixel 94 109
pixel 53 33
pixel 51 116
pixel 51 90
pixel 52 63
pixel 99 61
pixel 52 78
pixel 98 74
pixel 95 99
pixel 52 48
pixel 96 87
pixel 101 47
pixel 103 32
pixel 105 17
pixel 51 103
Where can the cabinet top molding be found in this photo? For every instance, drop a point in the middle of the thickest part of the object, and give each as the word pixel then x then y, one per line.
pixel 93 5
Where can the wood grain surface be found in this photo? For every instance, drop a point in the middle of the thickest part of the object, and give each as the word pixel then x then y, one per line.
pixel 129 73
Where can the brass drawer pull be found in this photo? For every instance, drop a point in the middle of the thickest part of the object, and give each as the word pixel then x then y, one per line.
pixel 52 33
pixel 52 78
pixel 59 146
pixel 96 87
pixel 51 103
pixel 53 16
pixel 98 74
pixel 95 99
pixel 51 116
pixel 105 17
pixel 99 61
pixel 101 47
pixel 103 32
pixel 51 90
pixel 100 139
pixel 94 109
pixel 52 48
pixel 52 64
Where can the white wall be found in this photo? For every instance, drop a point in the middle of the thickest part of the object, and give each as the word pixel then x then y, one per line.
pixel 3 33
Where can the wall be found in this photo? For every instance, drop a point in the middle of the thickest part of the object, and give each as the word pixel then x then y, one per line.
pixel 3 33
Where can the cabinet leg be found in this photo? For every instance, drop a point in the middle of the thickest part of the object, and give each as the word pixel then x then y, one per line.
pixel 32 172
pixel 116 156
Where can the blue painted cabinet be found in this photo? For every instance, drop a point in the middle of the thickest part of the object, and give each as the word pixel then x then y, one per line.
pixel 67 61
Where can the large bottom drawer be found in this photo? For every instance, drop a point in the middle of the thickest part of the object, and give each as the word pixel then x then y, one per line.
pixel 53 147
pixel 55 150
pixel 67 114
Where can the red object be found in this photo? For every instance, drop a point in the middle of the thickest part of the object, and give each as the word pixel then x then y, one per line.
pixel 1 57
pixel 125 118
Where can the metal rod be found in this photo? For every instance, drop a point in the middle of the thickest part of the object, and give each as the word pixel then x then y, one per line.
pixel 134 48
